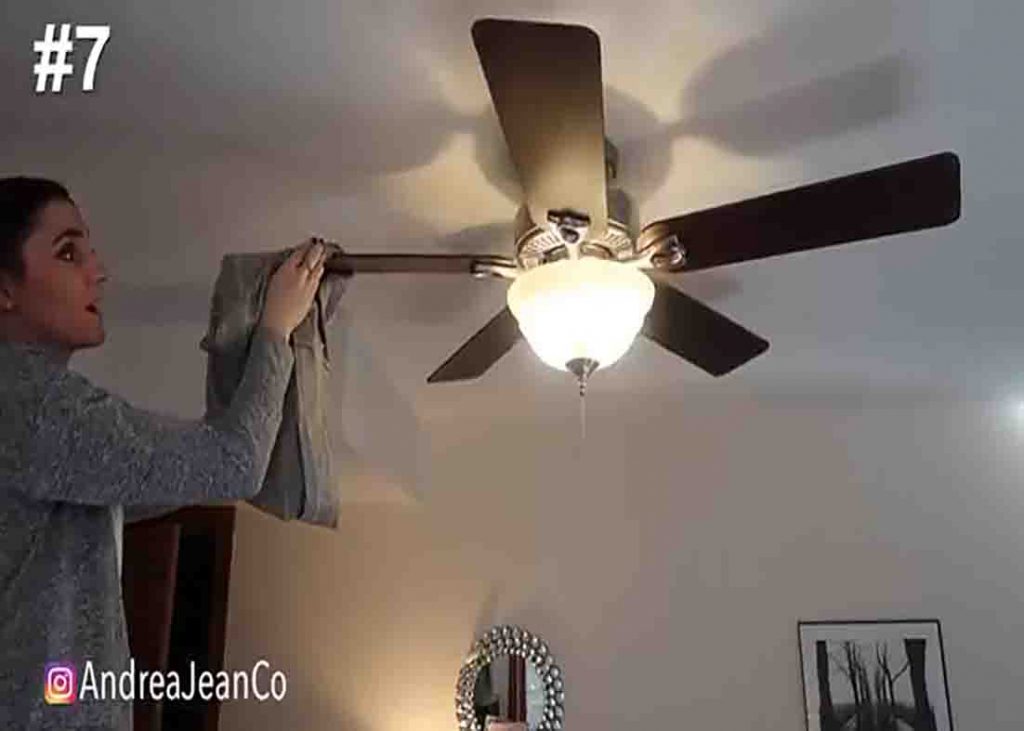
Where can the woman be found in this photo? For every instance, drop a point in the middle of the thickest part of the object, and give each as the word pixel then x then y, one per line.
pixel 72 454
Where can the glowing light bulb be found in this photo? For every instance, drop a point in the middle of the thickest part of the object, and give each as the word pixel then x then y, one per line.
pixel 585 308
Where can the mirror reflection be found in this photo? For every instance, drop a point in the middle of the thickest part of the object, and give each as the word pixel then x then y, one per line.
pixel 509 691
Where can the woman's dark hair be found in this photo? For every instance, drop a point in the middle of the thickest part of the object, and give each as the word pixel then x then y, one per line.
pixel 21 200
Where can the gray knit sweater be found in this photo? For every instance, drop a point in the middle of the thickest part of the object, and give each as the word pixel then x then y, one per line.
pixel 71 454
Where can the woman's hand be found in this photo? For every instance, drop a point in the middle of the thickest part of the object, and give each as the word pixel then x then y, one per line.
pixel 292 287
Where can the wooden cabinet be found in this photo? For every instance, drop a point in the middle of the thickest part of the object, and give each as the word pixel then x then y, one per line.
pixel 175 583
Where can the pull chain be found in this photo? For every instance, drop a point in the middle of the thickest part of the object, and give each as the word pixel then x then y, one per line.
pixel 583 417
pixel 582 368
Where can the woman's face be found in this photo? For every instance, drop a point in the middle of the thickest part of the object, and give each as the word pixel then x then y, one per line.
pixel 58 299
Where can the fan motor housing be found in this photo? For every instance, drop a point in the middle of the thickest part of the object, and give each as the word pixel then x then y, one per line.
pixel 536 245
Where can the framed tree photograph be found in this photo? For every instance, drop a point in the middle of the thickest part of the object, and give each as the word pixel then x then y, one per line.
pixel 874 676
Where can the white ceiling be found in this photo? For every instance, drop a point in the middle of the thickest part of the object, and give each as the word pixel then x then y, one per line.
pixel 229 126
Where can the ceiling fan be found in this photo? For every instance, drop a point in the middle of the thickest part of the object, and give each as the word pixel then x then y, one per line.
pixel 579 293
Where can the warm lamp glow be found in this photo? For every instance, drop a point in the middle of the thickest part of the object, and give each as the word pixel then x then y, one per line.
pixel 581 308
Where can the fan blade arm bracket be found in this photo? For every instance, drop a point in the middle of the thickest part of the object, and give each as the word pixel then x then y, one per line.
pixel 660 250
pixel 494 267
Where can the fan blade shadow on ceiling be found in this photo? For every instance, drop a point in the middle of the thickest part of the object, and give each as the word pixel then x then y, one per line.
pixel 797 47
pixel 369 413
pixel 828 71
pixel 823 108
pixel 366 106
pixel 312 163
pixel 488 238
pixel 442 297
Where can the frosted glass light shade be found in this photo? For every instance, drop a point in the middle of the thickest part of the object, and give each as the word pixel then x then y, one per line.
pixel 580 308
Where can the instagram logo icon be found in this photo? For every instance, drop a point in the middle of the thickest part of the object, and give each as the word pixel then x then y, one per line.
pixel 60 684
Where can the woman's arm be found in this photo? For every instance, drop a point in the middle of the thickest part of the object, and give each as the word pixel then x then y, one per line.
pixel 82 444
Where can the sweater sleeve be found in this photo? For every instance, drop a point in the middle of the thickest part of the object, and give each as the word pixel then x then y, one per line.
pixel 86 445
pixel 136 513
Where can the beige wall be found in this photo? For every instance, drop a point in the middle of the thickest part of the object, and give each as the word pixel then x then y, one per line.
pixel 667 571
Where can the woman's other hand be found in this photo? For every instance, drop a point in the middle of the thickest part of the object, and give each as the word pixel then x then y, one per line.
pixel 292 287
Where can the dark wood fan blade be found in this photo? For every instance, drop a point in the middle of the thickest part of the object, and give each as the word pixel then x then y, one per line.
pixel 411 263
pixel 481 351
pixel 695 332
pixel 909 196
pixel 545 82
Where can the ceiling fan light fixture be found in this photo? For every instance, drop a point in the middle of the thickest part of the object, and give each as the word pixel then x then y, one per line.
pixel 584 308
pixel 584 313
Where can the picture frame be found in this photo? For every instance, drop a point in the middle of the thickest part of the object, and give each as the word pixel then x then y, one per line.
pixel 891 671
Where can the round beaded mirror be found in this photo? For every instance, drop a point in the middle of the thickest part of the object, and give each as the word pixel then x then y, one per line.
pixel 510 675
